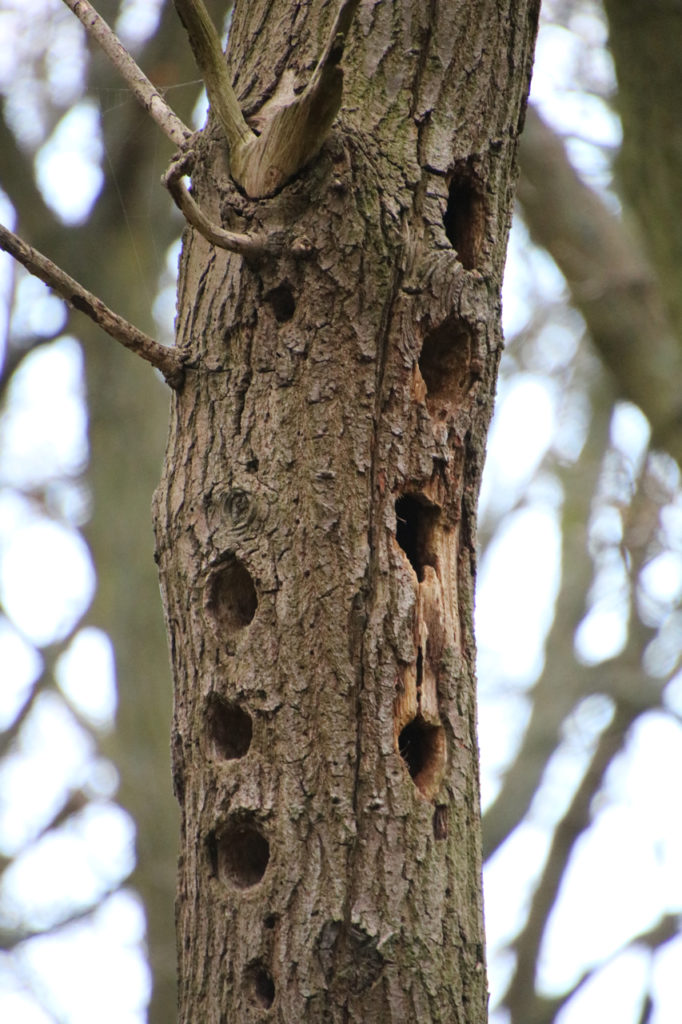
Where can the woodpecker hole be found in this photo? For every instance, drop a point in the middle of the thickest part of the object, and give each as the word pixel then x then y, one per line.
pixel 229 729
pixel 464 218
pixel 231 596
pixel 422 748
pixel 241 854
pixel 415 529
pixel 445 365
pixel 261 985
pixel 282 302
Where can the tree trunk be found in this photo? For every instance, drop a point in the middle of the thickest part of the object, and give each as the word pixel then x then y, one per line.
pixel 316 528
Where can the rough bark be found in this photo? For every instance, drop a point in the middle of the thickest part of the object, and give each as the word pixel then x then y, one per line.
pixel 316 528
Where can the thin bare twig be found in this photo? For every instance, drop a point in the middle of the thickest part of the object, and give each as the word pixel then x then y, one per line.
pixel 244 245
pixel 521 999
pixel 10 938
pixel 167 360
pixel 139 84
pixel 665 929
pixel 73 803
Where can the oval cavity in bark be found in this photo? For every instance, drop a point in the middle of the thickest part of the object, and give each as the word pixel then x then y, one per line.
pixel 231 598
pixel 242 853
pixel 229 729
pixel 261 985
pixel 422 748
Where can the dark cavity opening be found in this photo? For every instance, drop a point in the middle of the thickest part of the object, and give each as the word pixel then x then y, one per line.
pixel 422 748
pixel 242 853
pixel 464 218
pixel 229 729
pixel 415 527
pixel 444 363
pixel 261 985
pixel 282 301
pixel 231 597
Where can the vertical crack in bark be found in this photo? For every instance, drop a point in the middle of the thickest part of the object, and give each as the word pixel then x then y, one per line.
pixel 421 65
pixel 374 519
pixel 242 388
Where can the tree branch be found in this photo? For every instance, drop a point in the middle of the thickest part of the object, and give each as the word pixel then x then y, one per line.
pixel 665 929
pixel 10 938
pixel 522 1000
pixel 294 131
pixel 624 679
pixel 167 360
pixel 644 42
pixel 563 681
pixel 139 84
pixel 208 54
pixel 244 245
pixel 611 283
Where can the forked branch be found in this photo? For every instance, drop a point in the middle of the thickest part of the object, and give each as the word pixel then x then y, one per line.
pixel 167 360
pixel 261 164
pixel 295 131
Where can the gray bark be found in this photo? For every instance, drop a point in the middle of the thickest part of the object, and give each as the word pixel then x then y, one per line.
pixel 316 528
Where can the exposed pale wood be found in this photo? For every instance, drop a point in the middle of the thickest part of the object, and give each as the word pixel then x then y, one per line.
pixel 292 130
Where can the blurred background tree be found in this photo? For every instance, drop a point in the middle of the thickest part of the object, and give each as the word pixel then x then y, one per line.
pixel 579 618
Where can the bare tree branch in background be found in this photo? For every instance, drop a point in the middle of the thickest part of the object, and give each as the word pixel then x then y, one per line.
pixel 612 284
pixel 631 305
pixel 132 223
